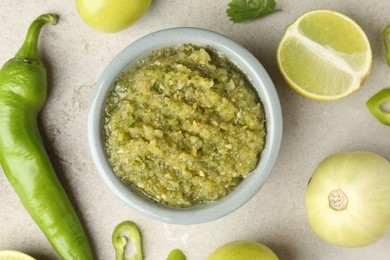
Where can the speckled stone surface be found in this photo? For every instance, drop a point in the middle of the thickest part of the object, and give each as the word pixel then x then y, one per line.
pixel 75 56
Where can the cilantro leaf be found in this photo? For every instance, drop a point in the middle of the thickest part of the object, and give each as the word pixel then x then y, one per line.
pixel 244 10
pixel 156 88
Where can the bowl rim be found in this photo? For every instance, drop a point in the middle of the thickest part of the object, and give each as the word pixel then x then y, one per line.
pixel 258 76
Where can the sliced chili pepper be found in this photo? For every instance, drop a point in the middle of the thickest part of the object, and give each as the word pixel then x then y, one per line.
pixel 23 91
pixel 176 254
pixel 374 106
pixel 123 232
pixel 386 39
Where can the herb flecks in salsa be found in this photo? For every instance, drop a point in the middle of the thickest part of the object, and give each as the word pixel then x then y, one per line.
pixel 184 126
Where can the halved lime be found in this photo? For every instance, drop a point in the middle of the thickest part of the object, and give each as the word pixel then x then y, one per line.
pixel 324 55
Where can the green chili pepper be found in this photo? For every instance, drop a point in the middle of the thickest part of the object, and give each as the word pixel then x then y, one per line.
pixel 176 254
pixel 386 39
pixel 23 91
pixel 374 106
pixel 123 232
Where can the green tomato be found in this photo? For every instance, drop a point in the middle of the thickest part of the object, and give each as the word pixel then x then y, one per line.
pixel 243 250
pixel 111 15
pixel 348 199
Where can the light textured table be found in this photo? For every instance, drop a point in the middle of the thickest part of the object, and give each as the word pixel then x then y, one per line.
pixel 76 55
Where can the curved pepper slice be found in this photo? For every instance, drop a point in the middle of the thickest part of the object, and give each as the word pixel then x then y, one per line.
pixel 123 232
pixel 386 39
pixel 374 106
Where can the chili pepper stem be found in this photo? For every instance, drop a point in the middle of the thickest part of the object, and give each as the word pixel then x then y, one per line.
pixel 29 49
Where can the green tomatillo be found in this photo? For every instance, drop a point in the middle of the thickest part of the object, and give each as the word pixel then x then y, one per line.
pixel 243 250
pixel 176 254
pixel 111 15
pixel 348 199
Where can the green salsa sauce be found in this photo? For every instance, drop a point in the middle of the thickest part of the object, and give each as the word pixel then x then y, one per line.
pixel 184 126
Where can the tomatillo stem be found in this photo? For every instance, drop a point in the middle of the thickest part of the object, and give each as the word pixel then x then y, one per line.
pixel 338 200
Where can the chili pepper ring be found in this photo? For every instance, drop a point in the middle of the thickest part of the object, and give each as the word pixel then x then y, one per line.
pixel 23 91
pixel 126 232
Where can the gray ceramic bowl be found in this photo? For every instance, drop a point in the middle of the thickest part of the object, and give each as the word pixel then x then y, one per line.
pixel 256 74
